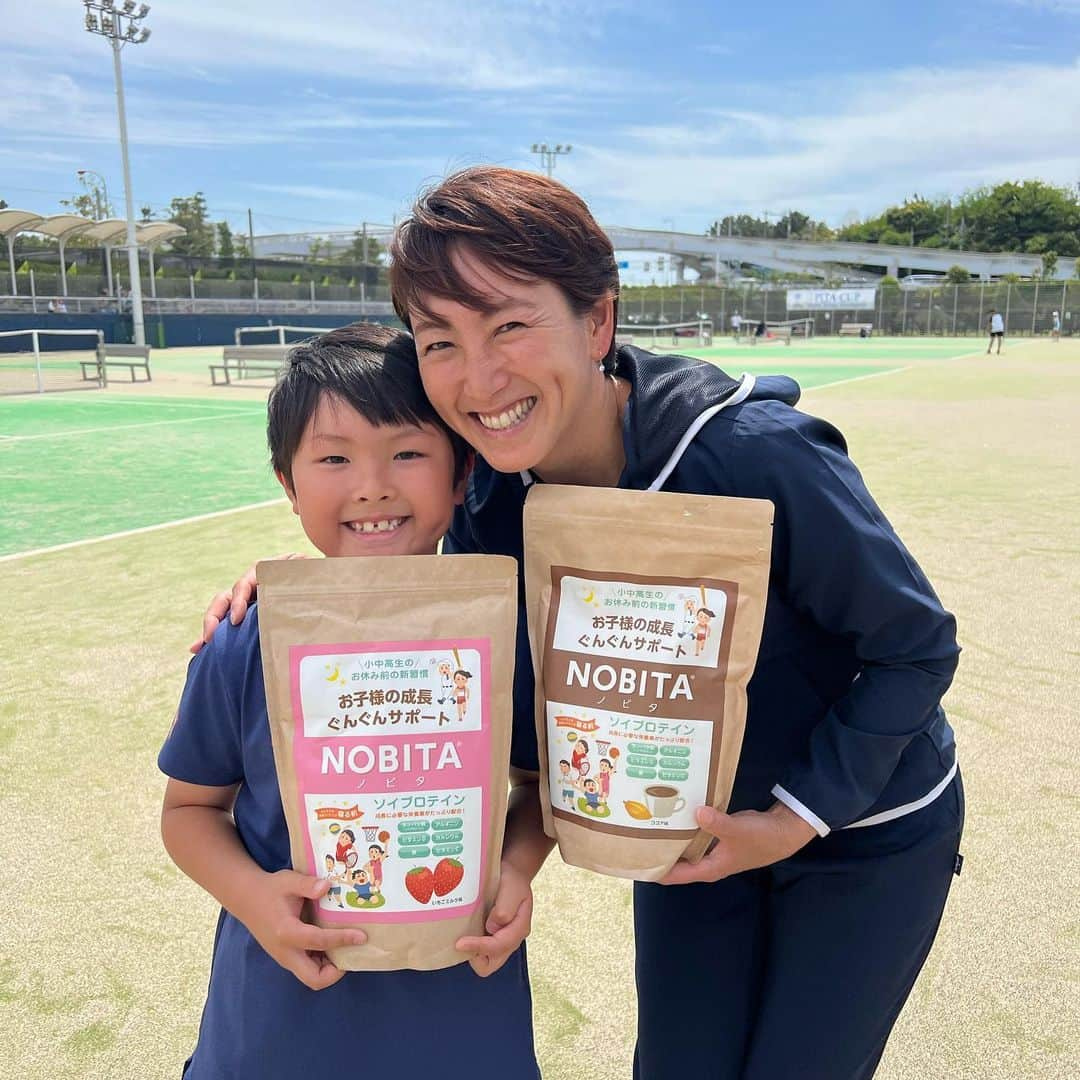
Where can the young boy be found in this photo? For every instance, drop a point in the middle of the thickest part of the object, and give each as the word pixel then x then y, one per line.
pixel 369 468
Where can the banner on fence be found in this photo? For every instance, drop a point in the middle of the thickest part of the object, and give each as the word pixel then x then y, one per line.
pixel 830 299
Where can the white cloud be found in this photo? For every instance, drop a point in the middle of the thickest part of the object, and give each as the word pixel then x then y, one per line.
pixel 312 191
pixel 868 142
pixel 482 45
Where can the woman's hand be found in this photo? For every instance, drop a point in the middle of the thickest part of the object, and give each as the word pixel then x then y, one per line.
pixel 744 841
pixel 233 603
pixel 272 914
pixel 508 924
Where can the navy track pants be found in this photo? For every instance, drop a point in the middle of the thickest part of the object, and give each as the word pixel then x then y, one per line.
pixel 797 971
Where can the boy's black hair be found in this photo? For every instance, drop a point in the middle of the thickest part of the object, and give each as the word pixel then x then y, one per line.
pixel 370 367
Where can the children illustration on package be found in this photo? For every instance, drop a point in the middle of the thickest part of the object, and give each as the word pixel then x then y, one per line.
pixel 631 732
pixel 392 768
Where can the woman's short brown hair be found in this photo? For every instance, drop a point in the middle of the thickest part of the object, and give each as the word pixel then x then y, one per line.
pixel 528 227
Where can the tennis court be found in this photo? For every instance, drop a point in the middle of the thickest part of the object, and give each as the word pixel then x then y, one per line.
pixel 105 946
pixel 135 456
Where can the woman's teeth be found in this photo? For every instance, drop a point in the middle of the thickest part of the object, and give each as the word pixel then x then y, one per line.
pixel 386 525
pixel 512 416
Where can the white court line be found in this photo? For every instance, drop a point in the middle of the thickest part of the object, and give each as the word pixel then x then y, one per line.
pixel 854 378
pixel 120 427
pixel 137 532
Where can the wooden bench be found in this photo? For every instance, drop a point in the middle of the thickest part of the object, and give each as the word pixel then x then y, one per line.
pixel 856 329
pixel 129 356
pixel 248 362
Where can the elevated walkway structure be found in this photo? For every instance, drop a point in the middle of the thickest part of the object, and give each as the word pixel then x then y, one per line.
pixel 706 253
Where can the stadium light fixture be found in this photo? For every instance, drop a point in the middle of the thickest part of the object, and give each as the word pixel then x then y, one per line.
pixel 120 24
pixel 548 154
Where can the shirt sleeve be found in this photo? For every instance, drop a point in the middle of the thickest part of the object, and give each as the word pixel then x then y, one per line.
pixel 837 560
pixel 205 744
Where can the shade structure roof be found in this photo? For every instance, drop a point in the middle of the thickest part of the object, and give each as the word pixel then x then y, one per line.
pixel 17 221
pixel 61 226
pixel 112 232
pixel 109 232
pixel 157 232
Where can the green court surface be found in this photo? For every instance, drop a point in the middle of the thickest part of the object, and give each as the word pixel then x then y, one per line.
pixel 81 465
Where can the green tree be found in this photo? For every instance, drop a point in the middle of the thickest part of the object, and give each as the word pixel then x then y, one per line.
pixel 147 213
pixel 225 245
pixel 355 252
pixel 957 275
pixel 92 202
pixel 1049 264
pixel 191 212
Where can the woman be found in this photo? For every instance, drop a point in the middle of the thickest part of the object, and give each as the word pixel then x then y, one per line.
pixel 790 949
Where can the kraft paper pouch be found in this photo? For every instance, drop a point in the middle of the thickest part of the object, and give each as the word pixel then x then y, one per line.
pixel 645 612
pixel 388 684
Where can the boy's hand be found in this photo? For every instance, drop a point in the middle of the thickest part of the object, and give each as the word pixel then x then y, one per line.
pixel 508 924
pixel 233 603
pixel 273 917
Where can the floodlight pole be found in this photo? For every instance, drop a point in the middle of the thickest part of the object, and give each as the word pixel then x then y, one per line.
pixel 548 154
pixel 106 19
pixel 132 247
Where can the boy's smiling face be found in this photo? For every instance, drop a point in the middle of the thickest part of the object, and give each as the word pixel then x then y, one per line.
pixel 362 489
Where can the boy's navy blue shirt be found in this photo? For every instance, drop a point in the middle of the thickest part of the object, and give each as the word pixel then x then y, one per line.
pixel 259 1019
pixel 844 721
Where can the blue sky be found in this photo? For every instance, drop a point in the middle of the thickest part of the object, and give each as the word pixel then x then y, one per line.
pixel 329 113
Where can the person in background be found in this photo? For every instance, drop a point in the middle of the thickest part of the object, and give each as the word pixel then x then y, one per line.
pixel 997 331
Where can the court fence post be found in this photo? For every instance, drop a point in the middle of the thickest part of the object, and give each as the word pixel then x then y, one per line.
pixel 1008 301
pixel 1034 308
pixel 982 290
pixel 37 361
pixel 955 299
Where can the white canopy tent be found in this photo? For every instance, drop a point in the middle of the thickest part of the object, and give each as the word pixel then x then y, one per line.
pixel 150 236
pixel 13 222
pixel 106 233
pixel 62 227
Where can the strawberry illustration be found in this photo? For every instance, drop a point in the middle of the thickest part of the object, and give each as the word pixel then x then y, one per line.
pixel 448 875
pixel 420 882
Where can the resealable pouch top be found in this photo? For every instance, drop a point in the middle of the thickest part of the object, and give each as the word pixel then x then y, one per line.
pixel 389 688
pixel 645 611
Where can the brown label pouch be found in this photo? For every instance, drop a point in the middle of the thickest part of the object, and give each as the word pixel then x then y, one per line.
pixel 645 613
pixel 389 690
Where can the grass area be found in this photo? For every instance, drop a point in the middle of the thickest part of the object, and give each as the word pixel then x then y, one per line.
pixel 105 947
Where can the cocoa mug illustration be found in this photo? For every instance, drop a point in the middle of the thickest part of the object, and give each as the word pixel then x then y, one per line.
pixel 663 800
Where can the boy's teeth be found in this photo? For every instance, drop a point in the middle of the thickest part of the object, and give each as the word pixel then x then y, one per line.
pixel 376 526
pixel 500 421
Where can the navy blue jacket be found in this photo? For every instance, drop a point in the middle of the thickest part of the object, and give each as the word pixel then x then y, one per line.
pixel 844 720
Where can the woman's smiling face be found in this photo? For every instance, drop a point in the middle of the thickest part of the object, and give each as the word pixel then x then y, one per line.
pixel 520 380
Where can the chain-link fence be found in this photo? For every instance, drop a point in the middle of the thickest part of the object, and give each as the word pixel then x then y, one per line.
pixel 944 311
